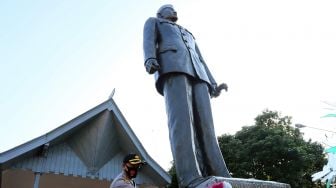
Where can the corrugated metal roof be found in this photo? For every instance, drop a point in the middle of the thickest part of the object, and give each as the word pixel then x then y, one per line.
pixel 90 145
pixel 61 159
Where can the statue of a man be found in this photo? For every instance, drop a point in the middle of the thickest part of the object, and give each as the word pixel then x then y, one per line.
pixel 183 78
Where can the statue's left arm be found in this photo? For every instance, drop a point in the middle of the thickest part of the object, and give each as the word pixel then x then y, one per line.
pixel 211 78
pixel 215 89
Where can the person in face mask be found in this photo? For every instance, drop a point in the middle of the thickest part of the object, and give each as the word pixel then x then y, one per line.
pixel 130 167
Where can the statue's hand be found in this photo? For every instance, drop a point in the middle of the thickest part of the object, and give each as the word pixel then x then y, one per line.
pixel 152 66
pixel 216 90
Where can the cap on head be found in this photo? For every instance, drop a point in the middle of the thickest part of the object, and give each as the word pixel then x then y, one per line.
pixel 163 7
pixel 167 12
pixel 133 159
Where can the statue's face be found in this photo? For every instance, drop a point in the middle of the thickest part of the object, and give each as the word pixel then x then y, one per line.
pixel 169 14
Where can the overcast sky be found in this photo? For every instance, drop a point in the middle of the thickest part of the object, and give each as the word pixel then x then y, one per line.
pixel 59 59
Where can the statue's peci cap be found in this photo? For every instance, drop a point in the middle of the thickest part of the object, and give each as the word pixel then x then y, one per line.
pixel 164 6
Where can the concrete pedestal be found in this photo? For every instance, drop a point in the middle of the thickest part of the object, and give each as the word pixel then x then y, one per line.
pixel 253 183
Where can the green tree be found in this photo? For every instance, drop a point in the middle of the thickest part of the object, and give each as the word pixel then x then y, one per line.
pixel 172 173
pixel 272 150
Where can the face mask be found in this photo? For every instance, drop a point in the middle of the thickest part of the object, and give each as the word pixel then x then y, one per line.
pixel 131 171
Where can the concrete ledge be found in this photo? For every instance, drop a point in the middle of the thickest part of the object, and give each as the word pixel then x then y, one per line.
pixel 253 183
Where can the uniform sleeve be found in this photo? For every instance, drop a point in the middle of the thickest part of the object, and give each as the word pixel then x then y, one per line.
pixel 121 184
pixel 150 39
pixel 211 78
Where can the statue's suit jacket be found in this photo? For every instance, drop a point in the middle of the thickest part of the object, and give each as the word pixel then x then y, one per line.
pixel 175 50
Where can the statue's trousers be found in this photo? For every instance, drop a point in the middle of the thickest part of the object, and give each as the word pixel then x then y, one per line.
pixel 191 131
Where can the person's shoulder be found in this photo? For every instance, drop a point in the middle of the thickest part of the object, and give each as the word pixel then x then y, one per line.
pixel 121 182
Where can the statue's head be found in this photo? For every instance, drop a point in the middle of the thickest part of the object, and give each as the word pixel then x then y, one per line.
pixel 167 12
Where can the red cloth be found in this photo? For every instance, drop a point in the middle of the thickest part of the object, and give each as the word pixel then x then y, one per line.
pixel 218 185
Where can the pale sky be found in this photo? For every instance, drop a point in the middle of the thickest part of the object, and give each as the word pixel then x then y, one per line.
pixel 59 59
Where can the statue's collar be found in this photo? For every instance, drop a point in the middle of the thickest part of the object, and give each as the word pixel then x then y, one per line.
pixel 166 21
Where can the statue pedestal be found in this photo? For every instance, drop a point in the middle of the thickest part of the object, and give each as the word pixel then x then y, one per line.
pixel 253 183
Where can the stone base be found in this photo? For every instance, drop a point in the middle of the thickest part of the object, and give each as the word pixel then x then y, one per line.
pixel 253 183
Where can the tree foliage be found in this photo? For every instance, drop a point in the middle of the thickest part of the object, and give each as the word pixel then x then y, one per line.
pixel 272 150
pixel 172 173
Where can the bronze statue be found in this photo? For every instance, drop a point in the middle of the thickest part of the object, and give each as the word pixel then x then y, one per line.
pixel 183 78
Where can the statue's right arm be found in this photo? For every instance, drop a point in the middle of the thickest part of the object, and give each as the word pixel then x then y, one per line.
pixel 150 39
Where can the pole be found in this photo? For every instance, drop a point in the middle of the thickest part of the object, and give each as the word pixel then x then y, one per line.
pixel 0 178
pixel 303 126
pixel 36 179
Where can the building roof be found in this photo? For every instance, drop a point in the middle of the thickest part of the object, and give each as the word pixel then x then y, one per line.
pixel 99 138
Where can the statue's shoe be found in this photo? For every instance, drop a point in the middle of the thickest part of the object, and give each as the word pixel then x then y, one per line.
pixel 210 182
